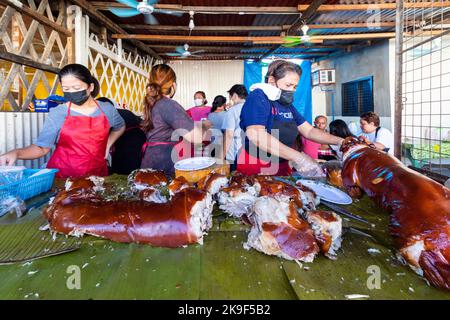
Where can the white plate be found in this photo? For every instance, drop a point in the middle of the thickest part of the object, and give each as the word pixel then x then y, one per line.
pixel 197 163
pixel 327 192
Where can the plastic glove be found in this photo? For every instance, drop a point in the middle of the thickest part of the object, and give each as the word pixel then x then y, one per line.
pixel 307 167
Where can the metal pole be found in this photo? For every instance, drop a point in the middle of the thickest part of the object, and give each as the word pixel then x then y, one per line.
pixel 398 79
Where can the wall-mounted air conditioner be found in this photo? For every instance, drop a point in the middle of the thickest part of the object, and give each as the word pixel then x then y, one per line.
pixel 323 77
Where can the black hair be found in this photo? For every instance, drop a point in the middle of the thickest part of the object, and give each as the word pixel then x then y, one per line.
pixel 107 100
pixel 203 94
pixel 81 73
pixel 279 68
pixel 370 117
pixel 340 129
pixel 218 102
pixel 240 90
pixel 96 90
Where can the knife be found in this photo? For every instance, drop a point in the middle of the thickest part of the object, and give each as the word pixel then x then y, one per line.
pixel 343 212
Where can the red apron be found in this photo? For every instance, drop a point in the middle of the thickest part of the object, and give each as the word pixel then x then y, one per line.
pixel 248 164
pixel 81 148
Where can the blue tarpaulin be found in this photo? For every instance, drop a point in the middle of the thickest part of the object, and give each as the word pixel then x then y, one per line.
pixel 252 73
pixel 302 101
pixel 302 98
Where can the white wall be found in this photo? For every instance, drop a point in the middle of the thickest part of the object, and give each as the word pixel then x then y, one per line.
pixel 319 102
pixel 212 77
pixel 426 88
pixel 371 61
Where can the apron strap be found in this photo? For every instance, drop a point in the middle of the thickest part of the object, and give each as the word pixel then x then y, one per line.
pixel 154 144
pixel 96 102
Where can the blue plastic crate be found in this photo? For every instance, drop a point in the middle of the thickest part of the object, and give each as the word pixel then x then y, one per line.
pixel 29 187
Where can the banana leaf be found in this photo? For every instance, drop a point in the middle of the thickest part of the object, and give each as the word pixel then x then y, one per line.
pixel 352 275
pixel 219 269
pixel 228 271
pixel 22 241
pixel 107 271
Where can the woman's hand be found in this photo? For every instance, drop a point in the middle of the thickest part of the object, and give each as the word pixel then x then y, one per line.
pixel 307 167
pixel 28 153
pixel 9 158
pixel 319 136
pixel 363 138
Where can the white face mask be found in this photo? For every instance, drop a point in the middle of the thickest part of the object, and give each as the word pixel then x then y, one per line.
pixel 198 102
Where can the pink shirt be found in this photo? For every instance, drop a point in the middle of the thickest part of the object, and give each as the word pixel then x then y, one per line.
pixel 311 148
pixel 199 113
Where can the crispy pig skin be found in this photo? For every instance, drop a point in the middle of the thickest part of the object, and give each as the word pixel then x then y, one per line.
pixel 419 207
pixel 159 224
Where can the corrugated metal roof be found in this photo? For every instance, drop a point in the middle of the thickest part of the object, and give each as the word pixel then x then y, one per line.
pixel 267 19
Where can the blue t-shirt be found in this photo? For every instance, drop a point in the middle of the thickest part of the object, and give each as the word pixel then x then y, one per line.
pixel 257 110
pixel 49 134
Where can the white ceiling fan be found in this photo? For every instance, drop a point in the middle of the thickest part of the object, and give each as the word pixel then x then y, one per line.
pixel 183 52
pixel 144 7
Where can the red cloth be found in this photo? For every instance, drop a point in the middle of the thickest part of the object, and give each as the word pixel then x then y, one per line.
pixel 311 148
pixel 327 152
pixel 249 165
pixel 81 148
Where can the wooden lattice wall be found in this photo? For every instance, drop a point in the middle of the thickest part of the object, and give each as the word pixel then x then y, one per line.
pixel 122 75
pixel 38 38
pixel 41 45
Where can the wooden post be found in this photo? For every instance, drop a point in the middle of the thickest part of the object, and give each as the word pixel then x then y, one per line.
pixel 70 24
pixel 81 36
pixel 104 35
pixel 119 49
pixel 17 41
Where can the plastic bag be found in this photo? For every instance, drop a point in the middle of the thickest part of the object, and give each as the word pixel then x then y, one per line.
pixel 11 204
pixel 10 174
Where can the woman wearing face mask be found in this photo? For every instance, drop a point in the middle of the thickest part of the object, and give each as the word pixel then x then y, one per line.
pixel 272 124
pixel 200 111
pixel 164 121
pixel 83 129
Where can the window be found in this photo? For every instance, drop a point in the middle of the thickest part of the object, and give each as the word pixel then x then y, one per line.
pixel 357 97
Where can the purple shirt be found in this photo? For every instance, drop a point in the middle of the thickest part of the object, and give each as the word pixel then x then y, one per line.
pixel 167 116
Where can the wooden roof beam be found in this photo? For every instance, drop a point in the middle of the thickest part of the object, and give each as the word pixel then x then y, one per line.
pixel 255 40
pixel 254 28
pixel 235 39
pixel 305 17
pixel 213 48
